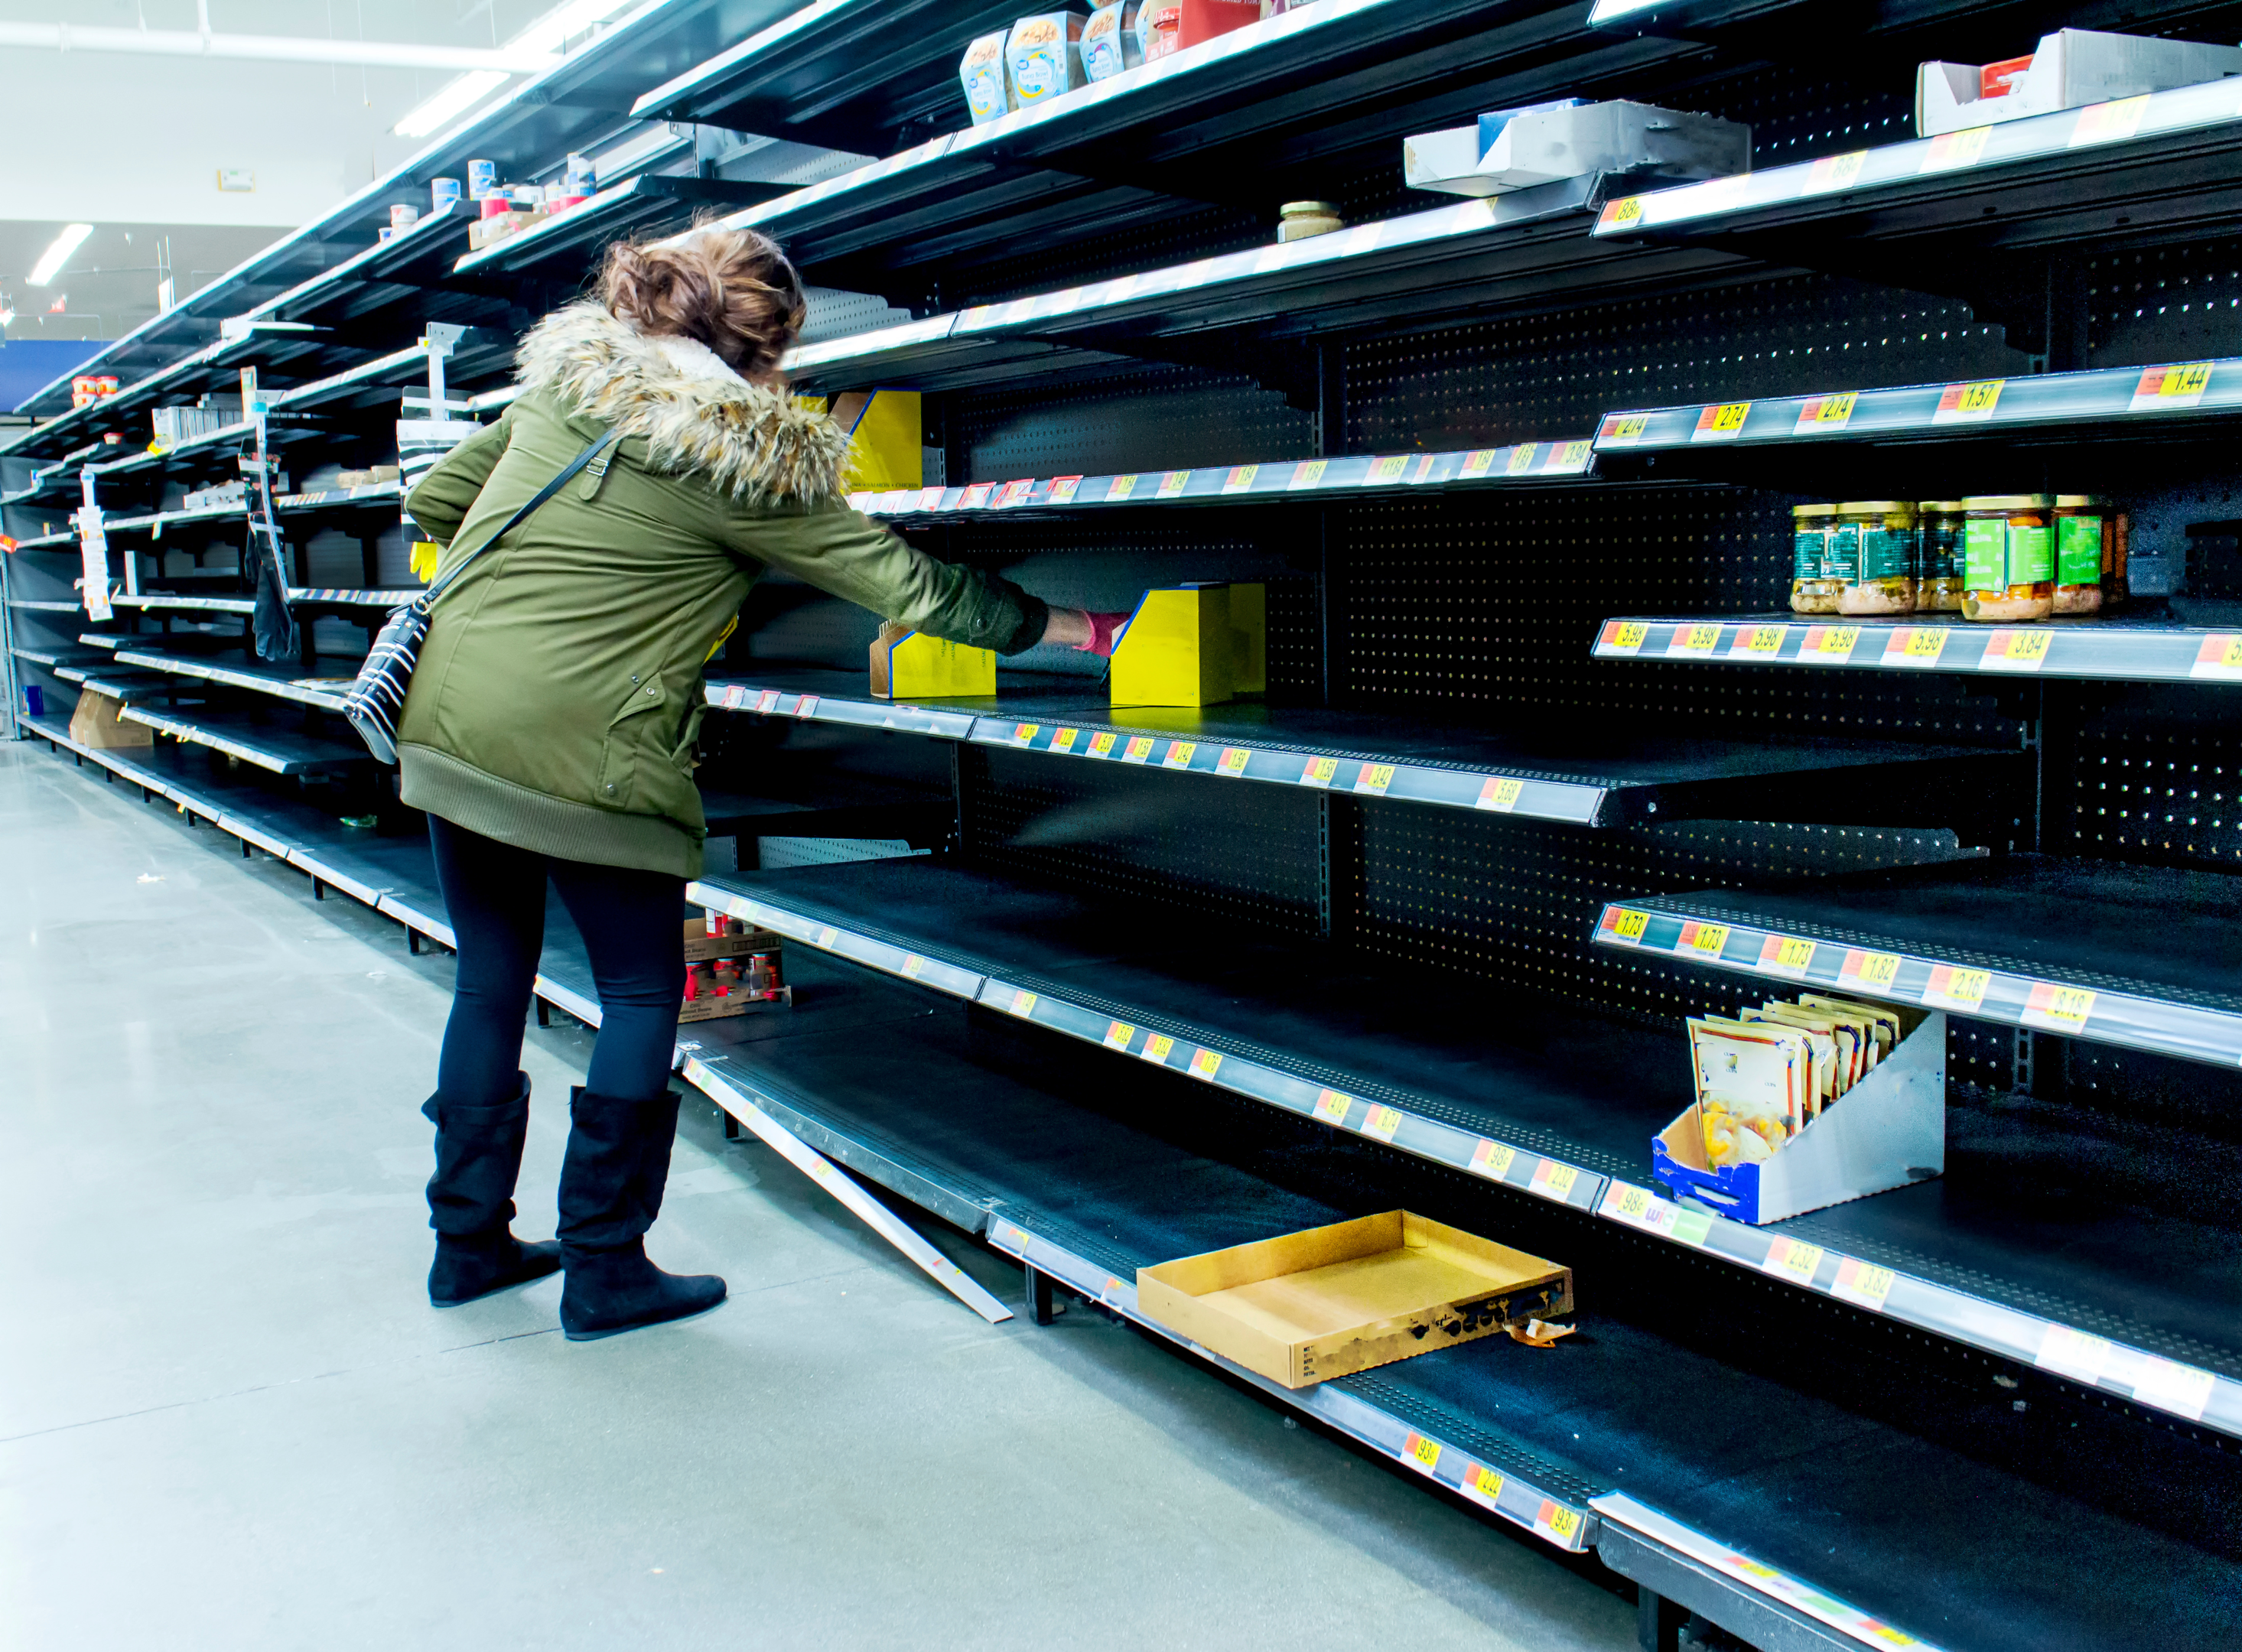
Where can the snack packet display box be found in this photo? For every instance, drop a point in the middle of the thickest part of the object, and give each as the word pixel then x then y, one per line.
pixel 1331 1300
pixel 910 665
pixel 2071 67
pixel 1887 1131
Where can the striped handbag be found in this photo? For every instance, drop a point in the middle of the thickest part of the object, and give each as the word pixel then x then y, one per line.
pixel 376 700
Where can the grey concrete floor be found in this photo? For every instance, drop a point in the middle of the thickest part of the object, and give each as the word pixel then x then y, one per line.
pixel 229 1418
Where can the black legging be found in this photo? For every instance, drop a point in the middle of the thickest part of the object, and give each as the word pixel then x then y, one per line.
pixel 631 922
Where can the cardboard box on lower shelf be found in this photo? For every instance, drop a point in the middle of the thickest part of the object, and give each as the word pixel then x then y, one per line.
pixel 98 723
pixel 1306 1307
pixel 736 940
pixel 910 665
pixel 1886 1130
pixel 1193 645
pixel 736 970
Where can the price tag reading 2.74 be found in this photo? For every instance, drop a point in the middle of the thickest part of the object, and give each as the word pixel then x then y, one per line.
pixel 1724 421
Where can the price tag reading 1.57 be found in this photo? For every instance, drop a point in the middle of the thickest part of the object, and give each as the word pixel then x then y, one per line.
pixel 1970 404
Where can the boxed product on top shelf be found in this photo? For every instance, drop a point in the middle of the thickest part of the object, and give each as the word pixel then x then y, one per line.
pixel 1808 1104
pixel 2071 67
pixel 1046 55
pixel 1994 558
pixel 1515 149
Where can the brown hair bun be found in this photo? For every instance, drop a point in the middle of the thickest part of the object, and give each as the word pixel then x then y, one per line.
pixel 732 290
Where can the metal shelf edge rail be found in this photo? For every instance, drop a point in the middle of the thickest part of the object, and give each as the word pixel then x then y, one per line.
pixel 1959 161
pixel 2091 1362
pixel 1973 407
pixel 1530 797
pixel 1666 924
pixel 2115 648
pixel 1256 483
pixel 281 688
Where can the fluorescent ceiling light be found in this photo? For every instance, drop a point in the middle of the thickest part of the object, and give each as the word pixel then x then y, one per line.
pixel 545 36
pixel 51 261
pixel 455 97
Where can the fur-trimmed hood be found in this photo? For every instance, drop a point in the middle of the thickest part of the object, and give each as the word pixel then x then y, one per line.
pixel 696 414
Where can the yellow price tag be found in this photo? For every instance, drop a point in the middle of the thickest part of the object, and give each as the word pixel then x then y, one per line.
pixel 1521 459
pixel 1867 971
pixel 1308 472
pixel 1331 1105
pixel 1240 478
pixel 1950 149
pixel 1914 645
pixel 1723 421
pixel 1793 1259
pixel 1695 641
pixel 1498 793
pixel 1483 1483
pixel 1173 483
pixel 1967 403
pixel 1831 643
pixel 2055 1009
pixel 1557 1520
pixel 1121 487
pixel 1381 1122
pixel 1836 171
pixel 1758 642
pixel 1179 753
pixel 1492 1160
pixel 1205 1063
pixel 1626 925
pixel 1101 744
pixel 1949 988
pixel 1388 469
pixel 1232 761
pixel 1118 1034
pixel 1320 771
pixel 827 936
pixel 1705 938
pixel 1862 1284
pixel 1554 1180
pixel 2109 123
pixel 1137 750
pixel 1629 1204
pixel 1024 733
pixel 1420 1453
pixel 1374 778
pixel 1623 429
pixel 1623 636
pixel 2027 645
pixel 1023 1003
pixel 1157 1047
pixel 1063 739
pixel 1786 954
pixel 1624 213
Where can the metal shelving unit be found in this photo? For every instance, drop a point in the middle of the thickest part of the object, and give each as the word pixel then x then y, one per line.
pixel 1614 781
pixel 1145 1015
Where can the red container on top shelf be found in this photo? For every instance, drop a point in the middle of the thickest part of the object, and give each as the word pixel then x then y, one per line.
pixel 1169 25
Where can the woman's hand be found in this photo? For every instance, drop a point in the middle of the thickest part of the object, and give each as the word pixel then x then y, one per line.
pixel 1083 631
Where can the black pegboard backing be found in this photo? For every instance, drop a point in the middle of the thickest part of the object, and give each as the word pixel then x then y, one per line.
pixel 1158 417
pixel 1149 243
pixel 1249 853
pixel 2164 304
pixel 2143 1089
pixel 1540 376
pixel 2151 775
pixel 1486 607
pixel 1516 901
pixel 1797 117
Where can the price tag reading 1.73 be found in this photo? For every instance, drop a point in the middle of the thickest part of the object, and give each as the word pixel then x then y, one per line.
pixel 1625 926
pixel 1786 954
pixel 1705 938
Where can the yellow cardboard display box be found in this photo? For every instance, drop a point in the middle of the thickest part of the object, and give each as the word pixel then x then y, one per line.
pixel 910 665
pixel 1335 1300
pixel 1193 645
pixel 886 438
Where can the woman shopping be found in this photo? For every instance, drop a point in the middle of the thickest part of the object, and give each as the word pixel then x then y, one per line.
pixel 550 728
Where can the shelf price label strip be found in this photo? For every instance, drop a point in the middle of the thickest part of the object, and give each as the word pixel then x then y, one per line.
pixel 1857 178
pixel 2167 1027
pixel 1561 1521
pixel 1452 788
pixel 1799 1595
pixel 2076 649
pixel 2165 390
pixel 742 1105
pixel 1361 473
pixel 2029 1338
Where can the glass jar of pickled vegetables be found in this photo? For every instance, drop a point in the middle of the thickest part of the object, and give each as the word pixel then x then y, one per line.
pixel 1874 545
pixel 1812 590
pixel 2084 552
pixel 1938 577
pixel 2008 556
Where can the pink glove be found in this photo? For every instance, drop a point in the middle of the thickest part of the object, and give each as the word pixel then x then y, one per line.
pixel 1104 628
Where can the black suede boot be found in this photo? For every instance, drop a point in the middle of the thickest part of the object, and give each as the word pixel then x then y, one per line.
pixel 611 1185
pixel 471 1200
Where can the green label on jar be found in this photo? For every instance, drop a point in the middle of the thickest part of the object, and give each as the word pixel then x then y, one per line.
pixel 1985 556
pixel 1840 558
pixel 2031 555
pixel 1940 547
pixel 1888 553
pixel 1806 553
pixel 2078 550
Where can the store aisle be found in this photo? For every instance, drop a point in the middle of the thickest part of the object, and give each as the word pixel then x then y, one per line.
pixel 229 1418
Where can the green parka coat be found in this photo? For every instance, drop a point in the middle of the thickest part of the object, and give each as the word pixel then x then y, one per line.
pixel 559 696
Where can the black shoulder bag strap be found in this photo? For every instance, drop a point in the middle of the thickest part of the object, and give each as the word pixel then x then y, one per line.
pixel 427 600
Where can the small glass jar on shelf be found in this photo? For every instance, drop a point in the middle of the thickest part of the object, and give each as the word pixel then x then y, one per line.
pixel 1877 544
pixel 1812 589
pixel 1938 577
pixel 2007 554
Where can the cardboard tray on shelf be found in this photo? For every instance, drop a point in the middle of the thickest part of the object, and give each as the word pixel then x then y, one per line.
pixel 1306 1307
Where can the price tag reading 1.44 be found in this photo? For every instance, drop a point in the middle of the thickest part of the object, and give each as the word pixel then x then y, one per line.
pixel 2170 389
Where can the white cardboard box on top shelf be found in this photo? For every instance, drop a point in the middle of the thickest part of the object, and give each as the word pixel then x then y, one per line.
pixel 1547 142
pixel 2071 67
pixel 1887 1131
